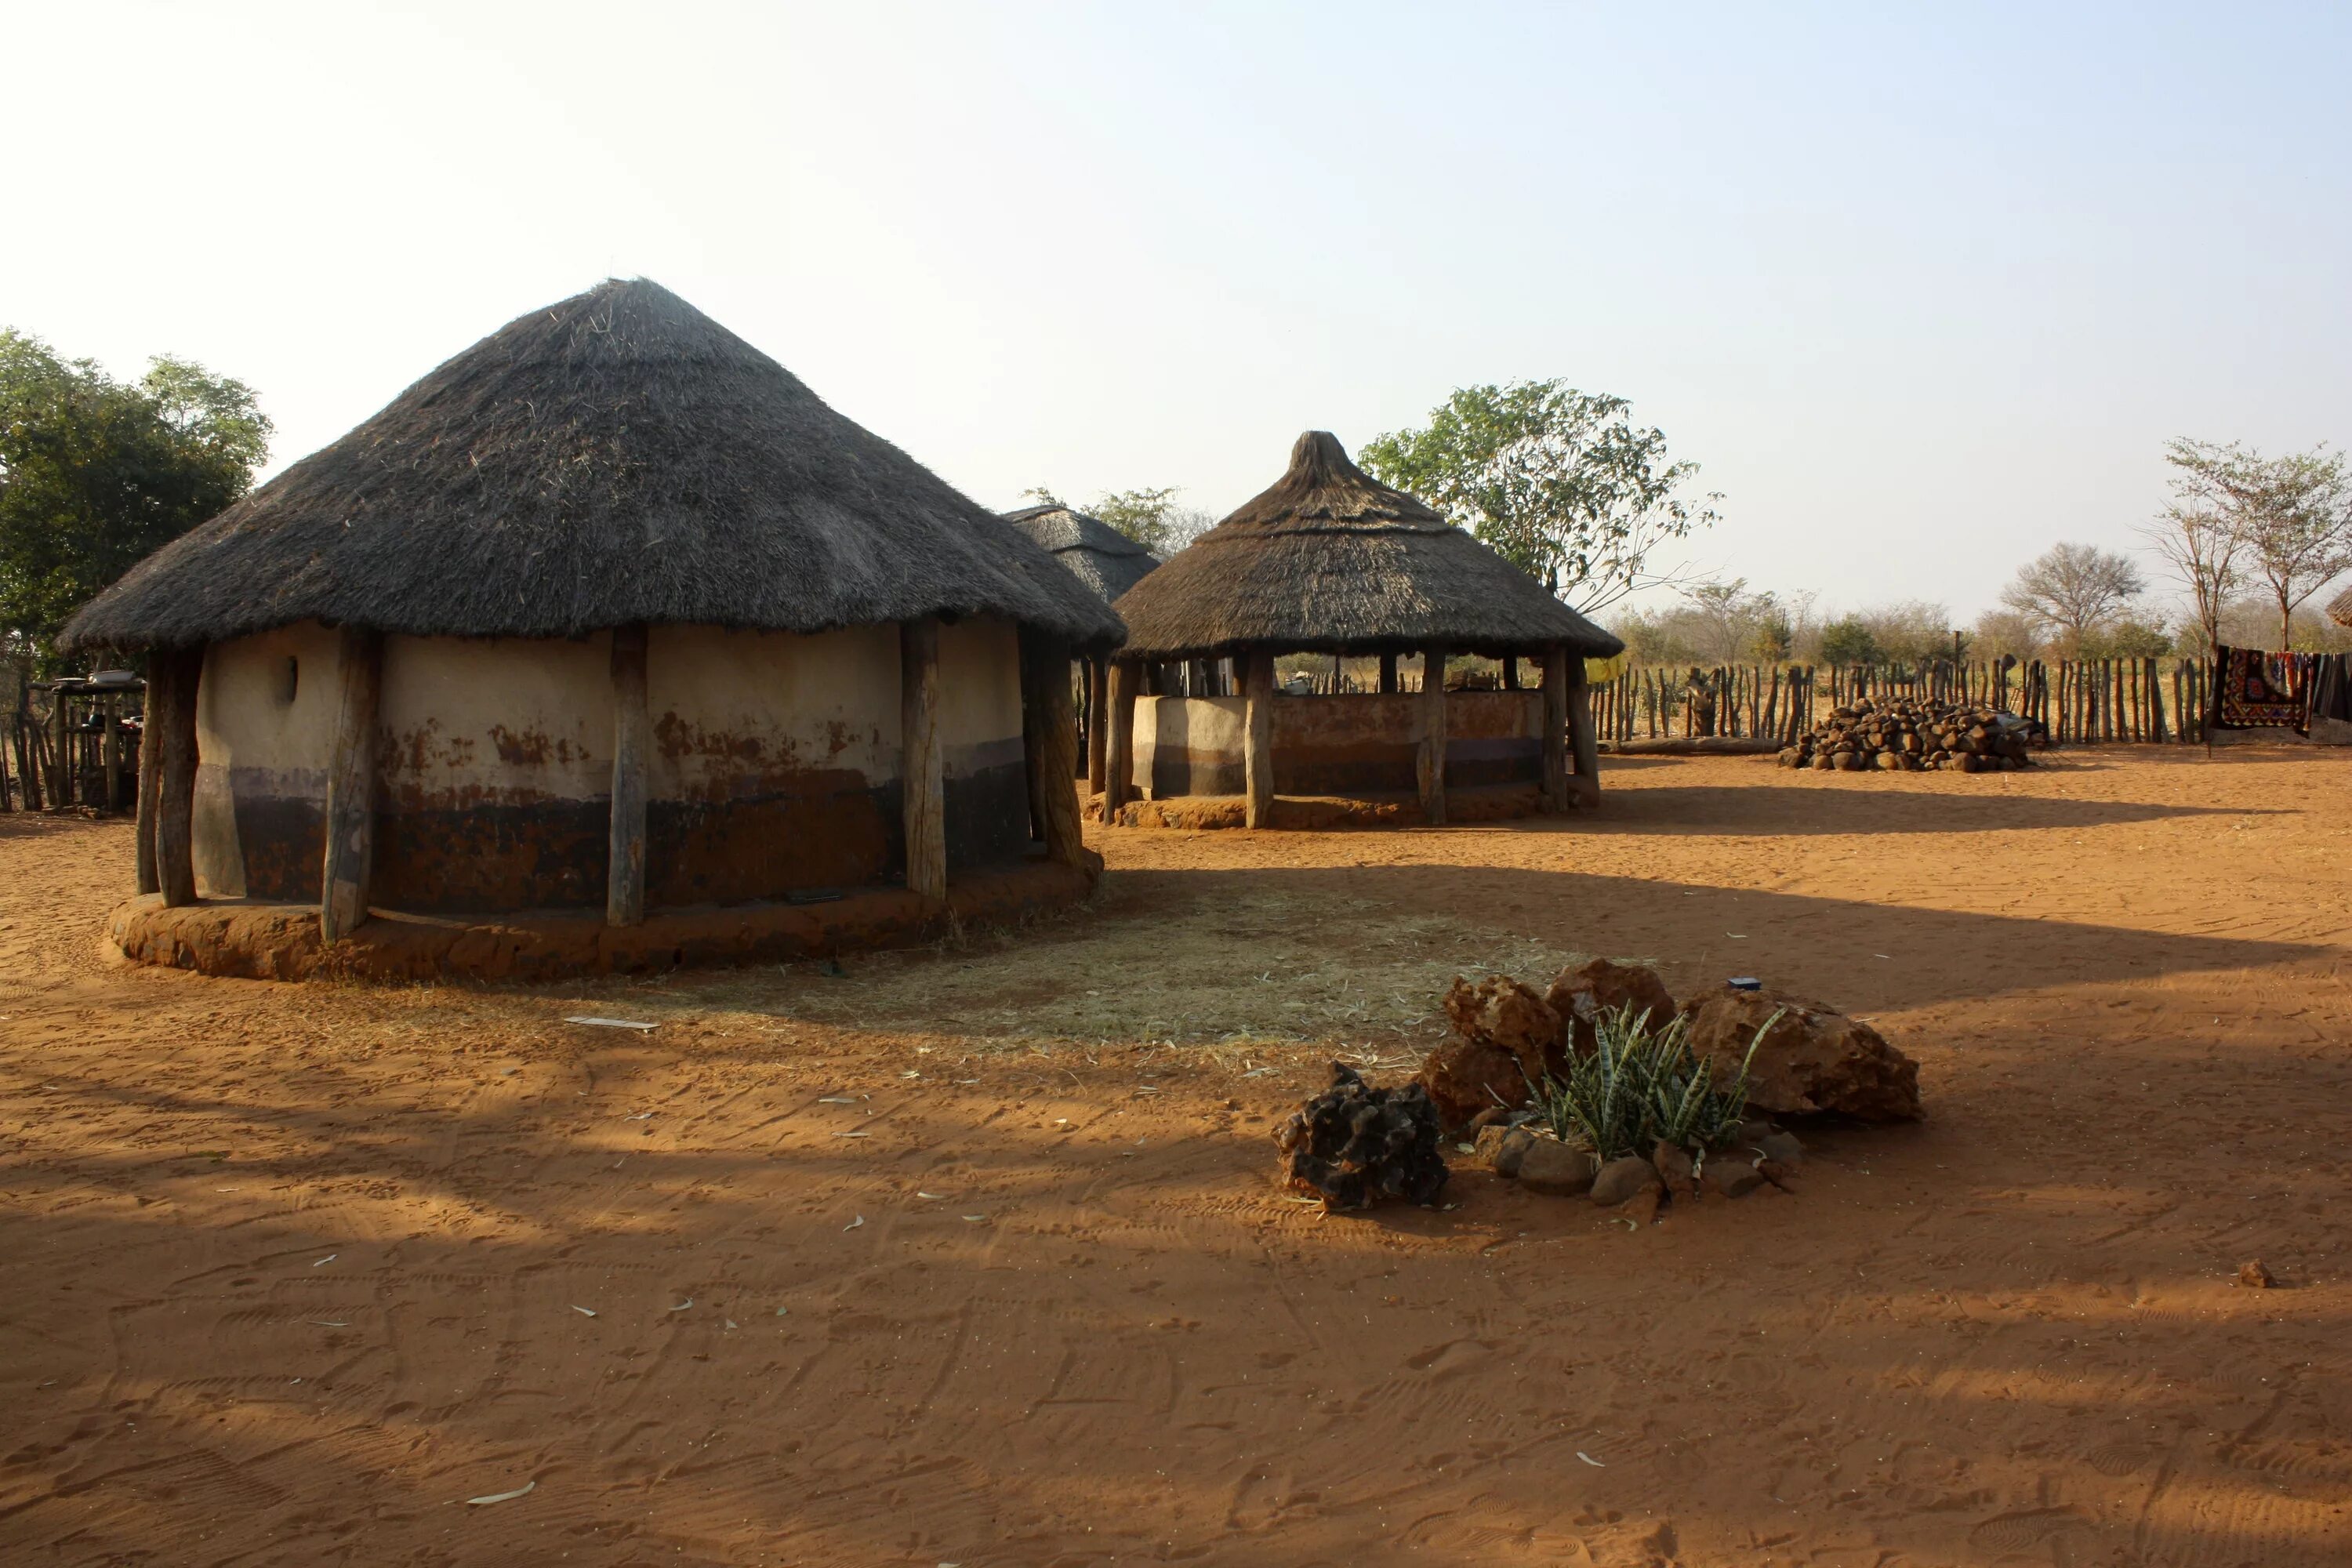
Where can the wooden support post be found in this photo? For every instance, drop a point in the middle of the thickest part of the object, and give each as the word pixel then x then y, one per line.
pixel 1049 714
pixel 151 726
pixel 1119 779
pixel 1097 715
pixel 1555 728
pixel 1510 672
pixel 63 786
pixel 350 860
pixel 111 749
pixel 1429 764
pixel 1257 740
pixel 922 770
pixel 633 734
pixel 1388 673
pixel 1584 748
pixel 174 739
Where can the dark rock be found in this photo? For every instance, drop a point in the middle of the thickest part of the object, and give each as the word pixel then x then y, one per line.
pixel 1782 1147
pixel 1354 1144
pixel 1674 1167
pixel 1619 1179
pixel 1814 1058
pixel 1730 1173
pixel 1501 1147
pixel 2251 1273
pixel 1555 1170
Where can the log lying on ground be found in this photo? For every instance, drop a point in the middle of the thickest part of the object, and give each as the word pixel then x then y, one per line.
pixel 1694 746
pixel 1913 735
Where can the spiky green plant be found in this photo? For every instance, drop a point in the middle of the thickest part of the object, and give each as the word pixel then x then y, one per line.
pixel 1643 1086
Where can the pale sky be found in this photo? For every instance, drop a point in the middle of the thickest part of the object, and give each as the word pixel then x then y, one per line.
pixel 1923 290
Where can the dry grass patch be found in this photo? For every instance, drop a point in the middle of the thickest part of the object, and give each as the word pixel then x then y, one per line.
pixel 1259 969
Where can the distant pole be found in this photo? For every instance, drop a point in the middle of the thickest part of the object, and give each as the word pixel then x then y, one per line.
pixel 1555 728
pixel 624 865
pixel 1584 741
pixel 349 863
pixel 1097 712
pixel 179 670
pixel 922 774
pixel 1119 777
pixel 1257 746
pixel 1429 761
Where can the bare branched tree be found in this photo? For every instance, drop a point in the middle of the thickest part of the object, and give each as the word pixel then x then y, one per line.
pixel 2074 589
pixel 2286 522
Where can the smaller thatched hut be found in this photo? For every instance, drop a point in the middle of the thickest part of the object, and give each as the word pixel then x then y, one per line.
pixel 1329 560
pixel 2339 609
pixel 1108 562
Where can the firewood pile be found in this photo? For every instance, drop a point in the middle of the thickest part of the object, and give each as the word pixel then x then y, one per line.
pixel 1904 734
pixel 1353 1143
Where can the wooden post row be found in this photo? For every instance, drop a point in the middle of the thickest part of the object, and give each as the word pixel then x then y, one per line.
pixel 1430 760
pixel 922 772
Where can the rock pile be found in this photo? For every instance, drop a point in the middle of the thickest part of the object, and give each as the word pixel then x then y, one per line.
pixel 1504 1038
pixel 1353 1143
pixel 1902 734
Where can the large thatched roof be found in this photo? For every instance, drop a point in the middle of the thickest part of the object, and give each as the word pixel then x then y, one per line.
pixel 1331 560
pixel 1104 559
pixel 2339 609
pixel 617 458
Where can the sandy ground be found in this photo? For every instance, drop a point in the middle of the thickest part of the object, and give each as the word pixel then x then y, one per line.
pixel 880 1274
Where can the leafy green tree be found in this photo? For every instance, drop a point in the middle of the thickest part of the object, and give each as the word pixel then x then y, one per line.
pixel 1561 482
pixel 1848 640
pixel 96 474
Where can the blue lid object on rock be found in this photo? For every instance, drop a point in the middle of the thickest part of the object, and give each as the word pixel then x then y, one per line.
pixel 1745 982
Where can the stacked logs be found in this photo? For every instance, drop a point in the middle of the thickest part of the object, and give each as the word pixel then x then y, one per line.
pixel 1903 734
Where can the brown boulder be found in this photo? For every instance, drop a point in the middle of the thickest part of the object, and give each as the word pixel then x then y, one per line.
pixel 1624 1178
pixel 1578 996
pixel 1555 1170
pixel 1814 1058
pixel 1505 1037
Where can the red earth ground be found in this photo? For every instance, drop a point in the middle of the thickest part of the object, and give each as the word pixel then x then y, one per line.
pixel 810 1274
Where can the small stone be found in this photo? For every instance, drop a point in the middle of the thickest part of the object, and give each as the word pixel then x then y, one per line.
pixel 1555 1170
pixel 1641 1208
pixel 1730 1173
pixel 1500 1148
pixel 2251 1273
pixel 1754 1130
pixel 1675 1168
pixel 1781 1148
pixel 1493 1116
pixel 1621 1179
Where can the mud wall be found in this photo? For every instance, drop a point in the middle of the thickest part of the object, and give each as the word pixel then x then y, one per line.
pixel 1360 744
pixel 774 767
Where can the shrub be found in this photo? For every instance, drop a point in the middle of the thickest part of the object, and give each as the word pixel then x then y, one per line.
pixel 1643 1086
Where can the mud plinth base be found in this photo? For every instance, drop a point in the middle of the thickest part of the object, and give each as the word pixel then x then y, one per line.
pixel 281 942
pixel 1321 813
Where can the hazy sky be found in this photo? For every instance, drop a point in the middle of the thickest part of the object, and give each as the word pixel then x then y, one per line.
pixel 1923 290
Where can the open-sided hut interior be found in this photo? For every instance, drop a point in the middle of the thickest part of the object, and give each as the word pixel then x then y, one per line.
pixel 1331 561
pixel 611 613
pixel 1108 562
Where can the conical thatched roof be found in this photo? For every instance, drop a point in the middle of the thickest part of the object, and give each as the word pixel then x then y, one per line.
pixel 1331 560
pixel 2339 609
pixel 617 458
pixel 1104 559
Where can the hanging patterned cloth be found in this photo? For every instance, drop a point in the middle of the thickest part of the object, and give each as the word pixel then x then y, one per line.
pixel 2263 691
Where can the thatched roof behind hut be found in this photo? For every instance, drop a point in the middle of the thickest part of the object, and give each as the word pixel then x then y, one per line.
pixel 617 458
pixel 2339 609
pixel 1331 560
pixel 1107 561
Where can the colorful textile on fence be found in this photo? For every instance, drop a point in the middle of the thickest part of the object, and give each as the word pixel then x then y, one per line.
pixel 2260 691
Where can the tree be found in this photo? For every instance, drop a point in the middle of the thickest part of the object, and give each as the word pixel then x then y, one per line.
pixel 1732 623
pixel 2074 589
pixel 1558 482
pixel 1847 640
pixel 2238 514
pixel 96 474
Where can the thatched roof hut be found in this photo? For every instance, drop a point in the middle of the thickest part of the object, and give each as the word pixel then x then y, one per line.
pixel 618 457
pixel 1095 553
pixel 1330 559
pixel 2339 609
pixel 608 610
